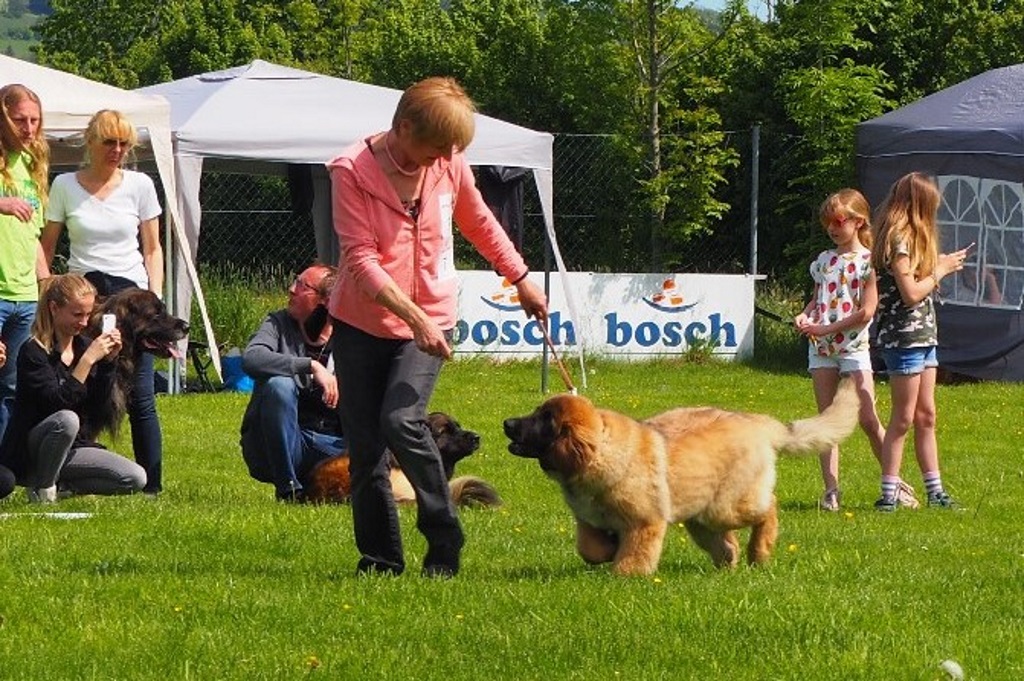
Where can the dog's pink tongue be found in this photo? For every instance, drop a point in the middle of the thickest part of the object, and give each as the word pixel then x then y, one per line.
pixel 175 352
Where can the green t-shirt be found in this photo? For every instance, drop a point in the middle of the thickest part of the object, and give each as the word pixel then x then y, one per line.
pixel 18 240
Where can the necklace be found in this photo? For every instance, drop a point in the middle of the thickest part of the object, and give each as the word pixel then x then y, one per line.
pixel 400 169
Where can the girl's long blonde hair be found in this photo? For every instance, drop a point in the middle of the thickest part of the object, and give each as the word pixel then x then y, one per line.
pixel 908 218
pixel 38 150
pixel 848 203
pixel 60 289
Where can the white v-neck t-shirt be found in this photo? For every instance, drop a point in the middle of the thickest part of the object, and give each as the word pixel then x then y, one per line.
pixel 104 234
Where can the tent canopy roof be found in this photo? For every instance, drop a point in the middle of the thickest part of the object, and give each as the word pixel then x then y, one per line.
pixel 69 101
pixel 984 114
pixel 320 114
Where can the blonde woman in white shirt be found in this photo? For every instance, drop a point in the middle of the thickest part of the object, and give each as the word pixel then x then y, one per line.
pixel 109 211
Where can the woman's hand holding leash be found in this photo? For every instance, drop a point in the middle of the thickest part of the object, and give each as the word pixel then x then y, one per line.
pixel 532 299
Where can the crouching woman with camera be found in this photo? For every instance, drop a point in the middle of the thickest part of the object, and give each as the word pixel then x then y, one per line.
pixel 62 376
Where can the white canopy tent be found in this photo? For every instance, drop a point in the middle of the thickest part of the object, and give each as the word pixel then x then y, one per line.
pixel 69 102
pixel 262 116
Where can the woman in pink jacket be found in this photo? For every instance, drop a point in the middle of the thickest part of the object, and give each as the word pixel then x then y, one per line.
pixel 396 195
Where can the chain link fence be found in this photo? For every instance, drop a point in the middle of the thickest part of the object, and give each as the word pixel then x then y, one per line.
pixel 249 223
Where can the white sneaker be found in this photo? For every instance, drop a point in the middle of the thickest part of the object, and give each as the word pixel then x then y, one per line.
pixel 42 495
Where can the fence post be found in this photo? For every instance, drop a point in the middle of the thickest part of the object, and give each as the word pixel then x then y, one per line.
pixel 547 296
pixel 755 154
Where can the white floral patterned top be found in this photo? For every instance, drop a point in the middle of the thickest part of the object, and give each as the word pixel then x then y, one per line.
pixel 839 280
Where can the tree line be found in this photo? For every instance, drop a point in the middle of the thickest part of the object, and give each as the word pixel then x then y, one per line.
pixel 667 81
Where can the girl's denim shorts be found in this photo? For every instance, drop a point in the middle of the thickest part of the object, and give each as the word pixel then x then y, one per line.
pixel 909 361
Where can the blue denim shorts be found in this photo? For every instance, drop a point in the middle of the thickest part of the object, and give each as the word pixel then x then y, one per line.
pixel 909 361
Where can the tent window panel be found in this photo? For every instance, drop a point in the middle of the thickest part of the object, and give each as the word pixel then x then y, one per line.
pixel 960 223
pixel 1003 248
pixel 990 214
pixel 960 202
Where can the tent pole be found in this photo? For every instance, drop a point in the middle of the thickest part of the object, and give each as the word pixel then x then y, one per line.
pixel 176 365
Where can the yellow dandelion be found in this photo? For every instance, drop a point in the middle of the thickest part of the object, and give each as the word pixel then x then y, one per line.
pixel 791 548
pixel 178 608
pixel 346 607
pixel 312 662
pixel 657 580
pixel 848 515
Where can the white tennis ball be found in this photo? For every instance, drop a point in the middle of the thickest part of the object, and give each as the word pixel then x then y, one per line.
pixel 953 669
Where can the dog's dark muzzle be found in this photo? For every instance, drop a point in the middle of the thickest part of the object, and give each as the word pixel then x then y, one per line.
pixel 514 432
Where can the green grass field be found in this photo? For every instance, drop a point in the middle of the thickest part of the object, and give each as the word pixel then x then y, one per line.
pixel 215 580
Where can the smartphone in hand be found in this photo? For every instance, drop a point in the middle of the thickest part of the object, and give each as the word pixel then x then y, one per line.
pixel 109 323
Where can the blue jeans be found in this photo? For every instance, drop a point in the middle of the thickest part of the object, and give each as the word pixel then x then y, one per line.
pixel 15 328
pixel 387 384
pixel 147 439
pixel 274 447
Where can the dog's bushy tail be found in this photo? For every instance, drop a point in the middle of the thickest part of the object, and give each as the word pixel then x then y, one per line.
pixel 830 427
pixel 472 492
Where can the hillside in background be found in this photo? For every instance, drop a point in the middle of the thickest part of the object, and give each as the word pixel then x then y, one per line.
pixel 18 19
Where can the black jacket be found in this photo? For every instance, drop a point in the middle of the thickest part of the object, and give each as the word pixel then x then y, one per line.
pixel 46 386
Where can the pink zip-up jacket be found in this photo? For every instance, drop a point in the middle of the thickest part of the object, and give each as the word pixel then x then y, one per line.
pixel 380 242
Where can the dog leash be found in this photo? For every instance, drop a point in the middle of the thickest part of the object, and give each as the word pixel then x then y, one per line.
pixel 774 316
pixel 561 367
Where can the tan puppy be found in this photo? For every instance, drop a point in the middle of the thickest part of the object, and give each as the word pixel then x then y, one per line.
pixel 713 470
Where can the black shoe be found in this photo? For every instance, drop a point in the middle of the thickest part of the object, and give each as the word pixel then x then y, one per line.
pixel 442 561
pixel 886 504
pixel 942 500
pixel 292 496
pixel 367 567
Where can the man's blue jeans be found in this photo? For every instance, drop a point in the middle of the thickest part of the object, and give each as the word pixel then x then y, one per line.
pixel 277 450
pixel 15 328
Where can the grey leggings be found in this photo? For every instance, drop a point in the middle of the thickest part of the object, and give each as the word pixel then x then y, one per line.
pixel 82 470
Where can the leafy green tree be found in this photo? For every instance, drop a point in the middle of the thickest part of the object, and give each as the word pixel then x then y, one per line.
pixel 407 40
pixel 137 42
pixel 927 45
pixel 675 132
pixel 812 86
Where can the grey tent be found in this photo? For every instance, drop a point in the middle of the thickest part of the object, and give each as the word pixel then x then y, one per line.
pixel 971 138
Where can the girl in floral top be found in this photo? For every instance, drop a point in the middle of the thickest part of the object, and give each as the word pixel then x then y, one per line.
pixel 906 256
pixel 836 323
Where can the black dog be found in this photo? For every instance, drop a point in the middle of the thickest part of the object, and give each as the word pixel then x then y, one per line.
pixel 145 326
pixel 329 481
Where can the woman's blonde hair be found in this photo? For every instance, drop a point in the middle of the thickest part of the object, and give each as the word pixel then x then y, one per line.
pixel 60 289
pixel 848 203
pixel 38 150
pixel 108 124
pixel 908 219
pixel 440 112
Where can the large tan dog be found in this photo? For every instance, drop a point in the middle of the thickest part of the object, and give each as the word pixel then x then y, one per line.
pixel 713 470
